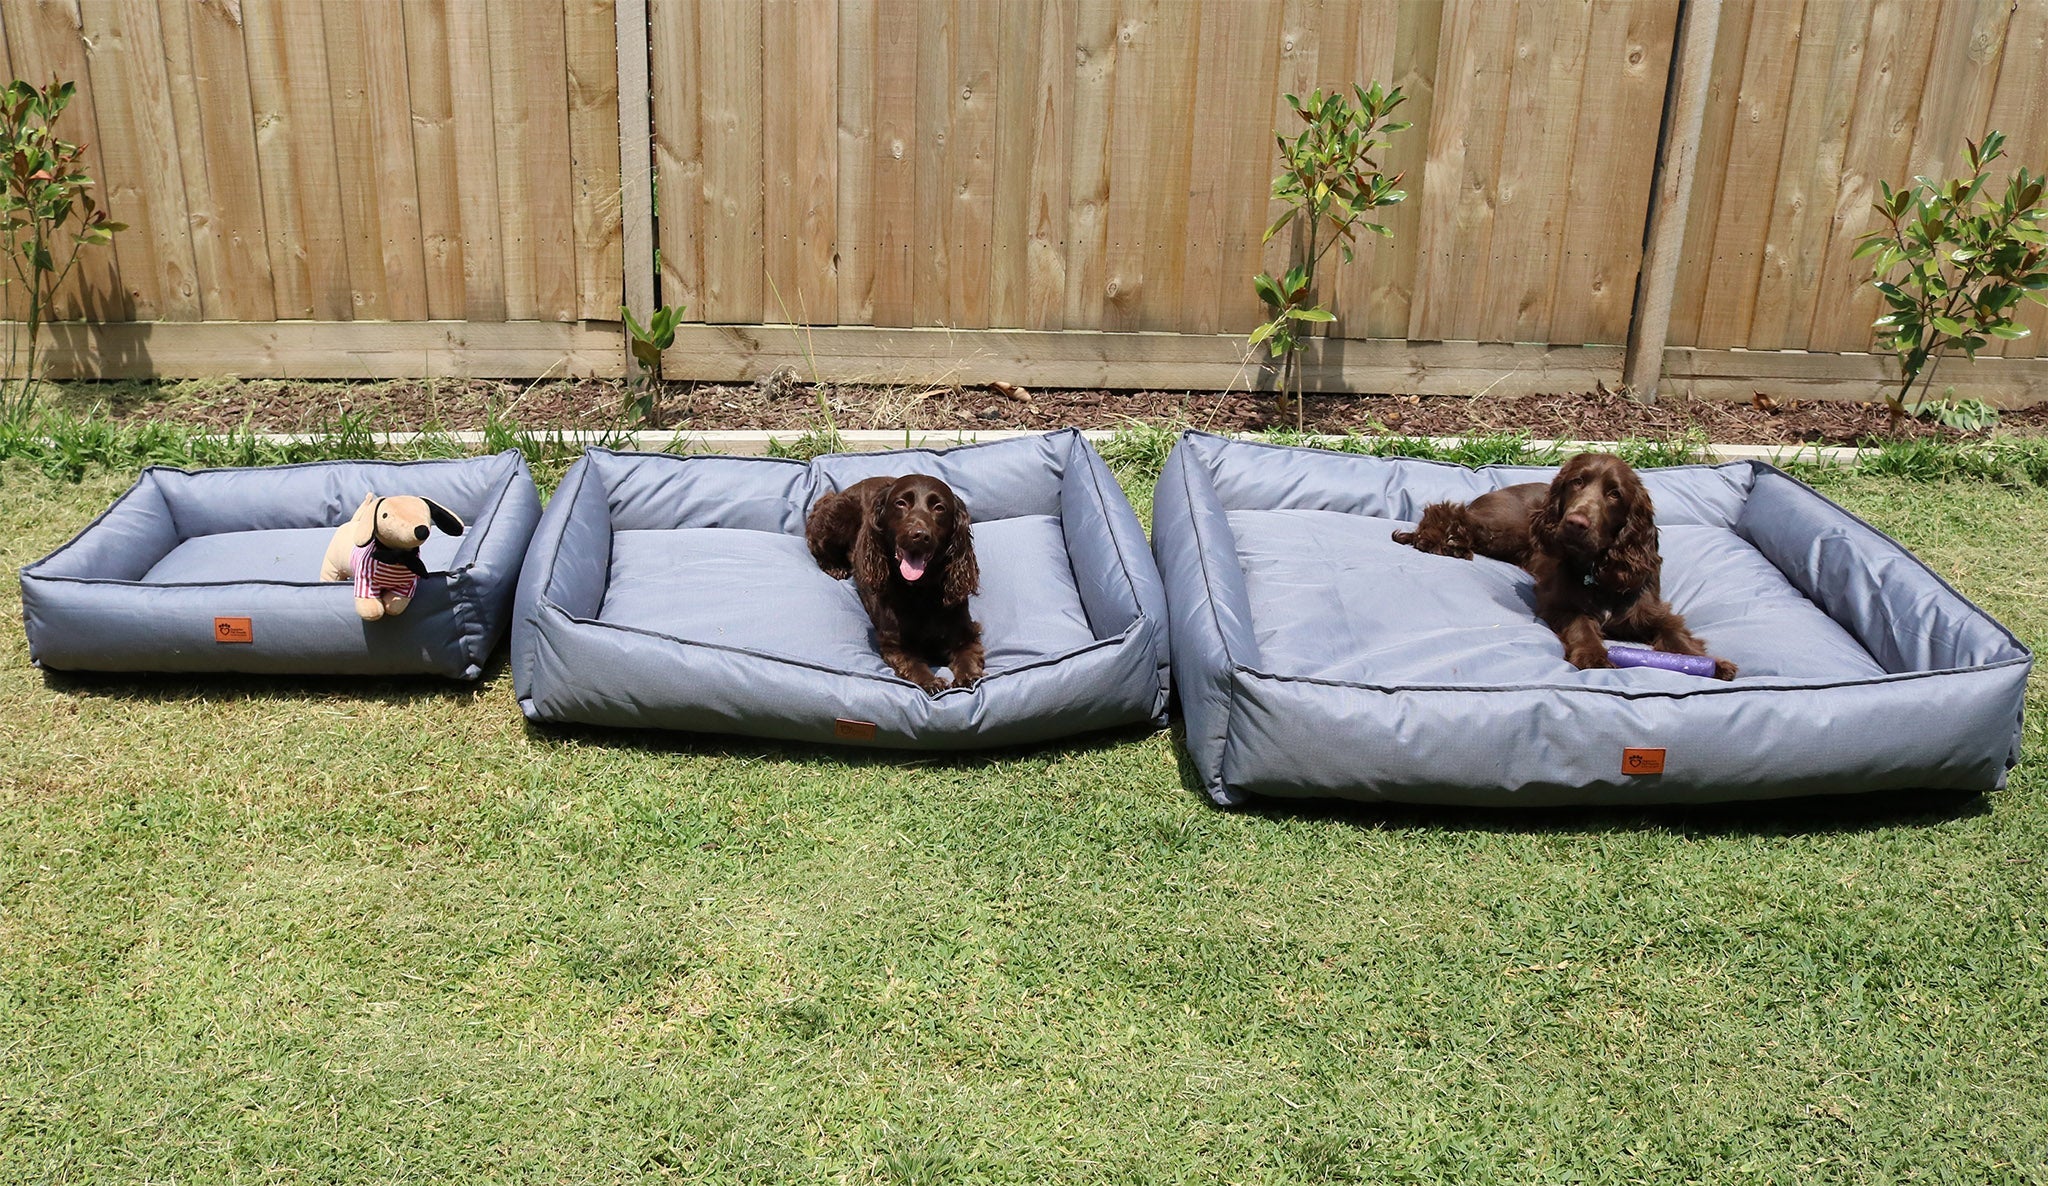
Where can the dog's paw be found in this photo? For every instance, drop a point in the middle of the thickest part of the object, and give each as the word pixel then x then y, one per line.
pixel 1590 660
pixel 835 572
pixel 1723 669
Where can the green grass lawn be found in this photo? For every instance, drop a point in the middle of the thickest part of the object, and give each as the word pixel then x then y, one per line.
pixel 261 930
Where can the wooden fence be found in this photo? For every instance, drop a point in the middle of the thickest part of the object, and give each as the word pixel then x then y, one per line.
pixel 1056 191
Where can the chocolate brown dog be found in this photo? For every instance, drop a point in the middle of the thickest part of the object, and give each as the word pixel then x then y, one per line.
pixel 908 545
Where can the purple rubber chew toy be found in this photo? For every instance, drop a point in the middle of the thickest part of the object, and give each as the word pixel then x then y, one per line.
pixel 1630 655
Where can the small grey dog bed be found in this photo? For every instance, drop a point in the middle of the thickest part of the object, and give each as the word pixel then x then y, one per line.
pixel 1316 657
pixel 677 593
pixel 218 570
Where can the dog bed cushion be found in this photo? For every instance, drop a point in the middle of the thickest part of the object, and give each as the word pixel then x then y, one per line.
pixel 677 592
pixel 1315 656
pixel 217 570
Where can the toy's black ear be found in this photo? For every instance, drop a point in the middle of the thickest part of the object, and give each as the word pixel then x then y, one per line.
pixel 363 527
pixel 443 517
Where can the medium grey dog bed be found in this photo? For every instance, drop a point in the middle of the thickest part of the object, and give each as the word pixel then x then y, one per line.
pixel 218 570
pixel 677 593
pixel 1316 657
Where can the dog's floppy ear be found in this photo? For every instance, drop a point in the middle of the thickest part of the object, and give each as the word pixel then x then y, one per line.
pixel 362 526
pixel 1633 559
pixel 443 518
pixel 963 574
pixel 874 553
pixel 1545 520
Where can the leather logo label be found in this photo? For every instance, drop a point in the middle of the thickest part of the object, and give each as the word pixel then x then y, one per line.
pixel 233 630
pixel 846 730
pixel 1642 761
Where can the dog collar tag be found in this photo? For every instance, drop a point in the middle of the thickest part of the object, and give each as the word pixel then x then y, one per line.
pixel 1586 580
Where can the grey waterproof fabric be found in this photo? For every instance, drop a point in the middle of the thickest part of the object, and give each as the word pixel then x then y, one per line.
pixel 677 593
pixel 144 588
pixel 1315 657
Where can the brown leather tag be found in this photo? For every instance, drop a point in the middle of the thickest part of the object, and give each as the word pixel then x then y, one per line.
pixel 233 630
pixel 1642 761
pixel 846 730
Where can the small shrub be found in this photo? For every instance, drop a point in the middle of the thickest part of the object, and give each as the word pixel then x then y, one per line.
pixel 642 386
pixel 1953 266
pixel 1331 179
pixel 47 216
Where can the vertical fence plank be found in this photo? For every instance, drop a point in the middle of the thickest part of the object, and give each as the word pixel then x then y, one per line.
pixel 217 142
pixel 897 237
pixel 1238 159
pixel 930 266
pixel 1017 89
pixel 970 163
pixel 731 55
pixel 1417 32
pixel 1717 134
pixel 1095 64
pixel 550 162
pixel 359 164
pixel 1879 148
pixel 1695 53
pixel 295 155
pixel 1536 160
pixel 138 134
pixel 1149 165
pixel 478 170
pixel 1046 223
pixel 856 140
pixel 590 32
pixel 675 98
pixel 435 166
pixel 1726 282
pixel 638 249
pixel 1831 48
pixel 505 28
pixel 2019 108
pixel 1628 68
pixel 800 134
pixel 1460 182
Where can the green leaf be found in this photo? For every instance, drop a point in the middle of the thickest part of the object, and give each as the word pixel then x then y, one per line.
pixel 2009 332
pixel 1316 313
pixel 1267 290
pixel 1263 332
pixel 1949 326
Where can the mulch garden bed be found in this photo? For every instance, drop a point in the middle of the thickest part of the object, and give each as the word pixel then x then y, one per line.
pixel 783 404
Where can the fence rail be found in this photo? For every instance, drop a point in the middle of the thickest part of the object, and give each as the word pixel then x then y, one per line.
pixel 1066 190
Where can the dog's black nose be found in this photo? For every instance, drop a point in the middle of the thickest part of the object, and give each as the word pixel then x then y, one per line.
pixel 419 533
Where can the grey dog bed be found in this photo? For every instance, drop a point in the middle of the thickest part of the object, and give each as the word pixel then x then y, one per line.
pixel 677 593
pixel 1316 657
pixel 218 570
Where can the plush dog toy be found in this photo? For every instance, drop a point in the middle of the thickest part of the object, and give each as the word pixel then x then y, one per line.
pixel 379 549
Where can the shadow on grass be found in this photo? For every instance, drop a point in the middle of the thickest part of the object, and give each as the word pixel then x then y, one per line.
pixel 227 687
pixel 1807 815
pixel 721 745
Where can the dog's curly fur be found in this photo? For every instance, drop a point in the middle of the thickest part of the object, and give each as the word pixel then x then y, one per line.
pixel 868 531
pixel 1495 525
pixel 1593 552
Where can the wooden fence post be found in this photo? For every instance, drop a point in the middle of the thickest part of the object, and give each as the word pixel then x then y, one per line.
pixel 1693 63
pixel 636 166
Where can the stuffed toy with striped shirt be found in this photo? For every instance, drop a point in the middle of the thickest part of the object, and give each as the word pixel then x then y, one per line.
pixel 379 549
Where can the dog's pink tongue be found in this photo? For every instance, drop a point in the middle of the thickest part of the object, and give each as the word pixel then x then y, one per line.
pixel 911 566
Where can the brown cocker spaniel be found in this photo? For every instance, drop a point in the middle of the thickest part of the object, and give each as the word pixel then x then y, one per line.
pixel 1589 538
pixel 908 546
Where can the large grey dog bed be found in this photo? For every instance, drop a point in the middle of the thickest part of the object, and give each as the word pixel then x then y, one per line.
pixel 677 593
pixel 1316 657
pixel 218 570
